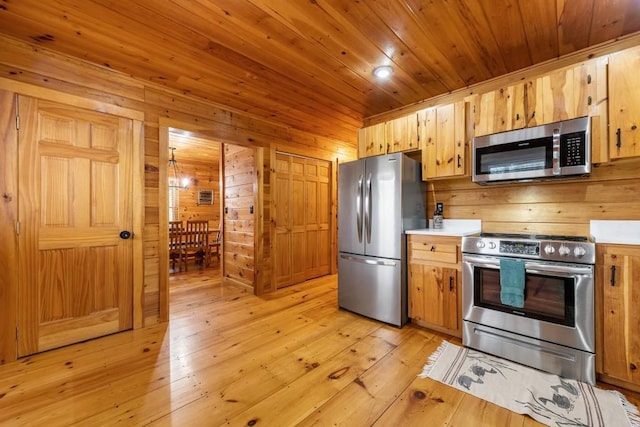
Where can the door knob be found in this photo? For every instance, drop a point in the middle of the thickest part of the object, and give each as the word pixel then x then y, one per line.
pixel 125 234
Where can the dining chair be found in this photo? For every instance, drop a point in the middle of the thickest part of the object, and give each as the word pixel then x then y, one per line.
pixel 214 244
pixel 196 242
pixel 176 247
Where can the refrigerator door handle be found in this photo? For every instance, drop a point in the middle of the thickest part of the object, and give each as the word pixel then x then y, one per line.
pixel 368 261
pixel 367 208
pixel 359 209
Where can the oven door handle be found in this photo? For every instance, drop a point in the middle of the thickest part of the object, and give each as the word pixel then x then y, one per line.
pixel 531 267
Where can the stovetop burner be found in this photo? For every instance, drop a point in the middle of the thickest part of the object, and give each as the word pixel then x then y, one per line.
pixel 534 237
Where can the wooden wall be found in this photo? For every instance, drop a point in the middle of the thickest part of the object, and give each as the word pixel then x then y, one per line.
pixel 203 176
pixel 612 192
pixel 34 65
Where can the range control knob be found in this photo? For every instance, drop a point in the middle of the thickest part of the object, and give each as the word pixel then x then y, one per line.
pixel 564 250
pixel 579 251
pixel 492 245
pixel 549 249
pixel 480 244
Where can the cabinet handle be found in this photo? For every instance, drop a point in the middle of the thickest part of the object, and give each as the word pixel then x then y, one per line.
pixel 518 116
pixel 433 248
pixel 618 138
pixel 450 283
pixel 632 366
pixel 613 275
pixel 588 79
pixel 459 159
pixel 589 100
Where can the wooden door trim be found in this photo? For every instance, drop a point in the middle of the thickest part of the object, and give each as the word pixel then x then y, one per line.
pixel 8 218
pixel 21 88
pixel 66 98
pixel 137 206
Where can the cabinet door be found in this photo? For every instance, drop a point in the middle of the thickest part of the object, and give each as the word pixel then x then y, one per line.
pixel 558 102
pixel 621 318
pixel 433 295
pixel 443 136
pixel 509 108
pixel 372 140
pixel 624 104
pixel 590 80
pixel 439 296
pixel 402 134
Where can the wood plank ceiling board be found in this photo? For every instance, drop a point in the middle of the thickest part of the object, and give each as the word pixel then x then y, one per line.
pixel 308 65
pixel 544 36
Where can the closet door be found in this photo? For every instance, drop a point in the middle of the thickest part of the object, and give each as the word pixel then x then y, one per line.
pixel 302 203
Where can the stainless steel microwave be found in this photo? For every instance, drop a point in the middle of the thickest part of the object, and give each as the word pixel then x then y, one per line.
pixel 555 150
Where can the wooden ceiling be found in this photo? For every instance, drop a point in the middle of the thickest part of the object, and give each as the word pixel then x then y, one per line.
pixel 308 63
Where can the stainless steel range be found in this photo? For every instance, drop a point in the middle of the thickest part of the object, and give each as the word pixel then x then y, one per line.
pixel 551 326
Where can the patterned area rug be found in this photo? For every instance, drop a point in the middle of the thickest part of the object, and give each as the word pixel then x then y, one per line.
pixel 547 398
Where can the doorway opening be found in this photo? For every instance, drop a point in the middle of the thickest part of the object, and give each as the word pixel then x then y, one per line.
pixel 195 203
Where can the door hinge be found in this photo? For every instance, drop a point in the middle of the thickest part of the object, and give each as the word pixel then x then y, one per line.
pixel 17 122
pixel 17 228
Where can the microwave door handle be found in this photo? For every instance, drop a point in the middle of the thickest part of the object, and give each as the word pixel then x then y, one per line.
pixel 556 151
pixel 359 208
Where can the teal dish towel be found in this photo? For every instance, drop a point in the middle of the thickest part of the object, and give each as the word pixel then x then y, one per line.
pixel 512 278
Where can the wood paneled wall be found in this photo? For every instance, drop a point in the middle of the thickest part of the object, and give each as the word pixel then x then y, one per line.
pixel 612 192
pixel 203 176
pixel 37 66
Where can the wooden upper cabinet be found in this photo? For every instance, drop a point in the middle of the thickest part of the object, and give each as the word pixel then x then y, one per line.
pixel 443 136
pixel 509 108
pixel 624 104
pixel 402 133
pixel 572 92
pixel 372 140
pixel 567 93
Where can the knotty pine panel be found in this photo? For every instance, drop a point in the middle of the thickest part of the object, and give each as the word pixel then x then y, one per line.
pixel 611 192
pixel 203 177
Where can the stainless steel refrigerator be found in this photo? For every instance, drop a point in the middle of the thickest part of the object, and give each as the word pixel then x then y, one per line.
pixel 379 198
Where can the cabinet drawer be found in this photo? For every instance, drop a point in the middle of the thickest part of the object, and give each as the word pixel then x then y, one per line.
pixel 433 251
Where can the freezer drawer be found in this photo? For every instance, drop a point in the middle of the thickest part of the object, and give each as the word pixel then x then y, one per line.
pixel 373 287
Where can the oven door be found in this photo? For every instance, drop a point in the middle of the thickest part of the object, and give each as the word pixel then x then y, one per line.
pixel 558 305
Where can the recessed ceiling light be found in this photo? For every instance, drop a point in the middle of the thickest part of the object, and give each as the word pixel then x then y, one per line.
pixel 383 72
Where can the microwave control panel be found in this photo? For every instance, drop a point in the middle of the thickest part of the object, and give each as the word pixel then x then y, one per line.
pixel 572 149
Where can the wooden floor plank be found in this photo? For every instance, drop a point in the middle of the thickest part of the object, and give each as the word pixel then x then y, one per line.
pixel 230 358
pixel 365 399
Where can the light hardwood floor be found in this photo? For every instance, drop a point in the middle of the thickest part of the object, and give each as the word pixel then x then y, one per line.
pixel 230 358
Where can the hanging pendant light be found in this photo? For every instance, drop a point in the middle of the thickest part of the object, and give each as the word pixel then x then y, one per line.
pixel 174 179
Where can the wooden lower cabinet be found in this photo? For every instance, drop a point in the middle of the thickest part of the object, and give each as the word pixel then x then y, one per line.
pixel 618 315
pixel 434 282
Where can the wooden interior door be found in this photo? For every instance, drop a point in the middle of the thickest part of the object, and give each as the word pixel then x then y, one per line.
pixel 75 195
pixel 317 203
pixel 302 213
pixel 239 219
